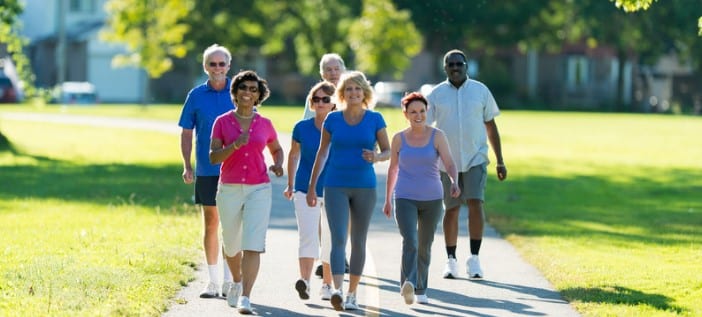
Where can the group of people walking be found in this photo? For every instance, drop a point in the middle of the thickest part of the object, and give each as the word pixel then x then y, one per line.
pixel 331 176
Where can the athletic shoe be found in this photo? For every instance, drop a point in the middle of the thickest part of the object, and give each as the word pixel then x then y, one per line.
pixel 422 299
pixel 337 300
pixel 319 271
pixel 473 267
pixel 233 294
pixel 451 268
pixel 350 303
pixel 303 289
pixel 225 287
pixel 244 306
pixel 210 291
pixel 407 292
pixel 325 292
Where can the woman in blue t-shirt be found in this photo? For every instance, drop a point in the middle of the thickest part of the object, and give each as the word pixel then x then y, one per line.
pixel 303 149
pixel 414 159
pixel 348 150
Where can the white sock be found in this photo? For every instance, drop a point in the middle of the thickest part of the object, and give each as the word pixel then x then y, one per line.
pixel 212 269
pixel 227 274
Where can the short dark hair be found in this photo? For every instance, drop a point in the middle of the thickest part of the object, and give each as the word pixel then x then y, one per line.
pixel 413 96
pixel 250 75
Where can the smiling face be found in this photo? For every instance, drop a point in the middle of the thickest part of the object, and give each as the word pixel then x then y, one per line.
pixel 416 113
pixel 455 67
pixel 217 66
pixel 321 103
pixel 247 93
pixel 332 70
pixel 353 94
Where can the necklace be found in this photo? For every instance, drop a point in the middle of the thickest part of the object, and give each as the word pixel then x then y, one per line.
pixel 243 117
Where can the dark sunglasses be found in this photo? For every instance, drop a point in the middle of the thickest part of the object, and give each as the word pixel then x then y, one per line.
pixel 221 64
pixel 456 64
pixel 325 99
pixel 244 87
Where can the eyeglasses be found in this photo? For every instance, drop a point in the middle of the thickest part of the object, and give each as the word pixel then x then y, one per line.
pixel 456 64
pixel 215 64
pixel 325 99
pixel 244 87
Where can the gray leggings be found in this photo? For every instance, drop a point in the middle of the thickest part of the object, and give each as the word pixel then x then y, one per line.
pixel 417 222
pixel 344 204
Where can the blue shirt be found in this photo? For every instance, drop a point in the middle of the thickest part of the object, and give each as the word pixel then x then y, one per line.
pixel 345 164
pixel 202 106
pixel 308 136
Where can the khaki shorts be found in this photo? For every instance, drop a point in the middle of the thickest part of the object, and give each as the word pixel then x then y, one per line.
pixel 244 212
pixel 471 183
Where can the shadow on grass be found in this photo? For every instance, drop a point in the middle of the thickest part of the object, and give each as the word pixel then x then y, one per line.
pixel 613 294
pixel 109 184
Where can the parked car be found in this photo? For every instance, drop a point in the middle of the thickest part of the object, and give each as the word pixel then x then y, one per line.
pixel 8 91
pixel 73 92
pixel 390 93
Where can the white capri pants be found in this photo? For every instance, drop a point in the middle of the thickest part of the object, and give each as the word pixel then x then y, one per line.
pixel 244 213
pixel 308 227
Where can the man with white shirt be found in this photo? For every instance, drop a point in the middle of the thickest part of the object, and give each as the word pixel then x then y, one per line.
pixel 465 110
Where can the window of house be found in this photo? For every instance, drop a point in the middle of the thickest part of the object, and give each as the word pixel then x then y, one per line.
pixel 578 72
pixel 81 6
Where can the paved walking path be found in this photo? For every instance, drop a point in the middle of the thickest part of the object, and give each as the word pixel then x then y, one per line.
pixel 511 286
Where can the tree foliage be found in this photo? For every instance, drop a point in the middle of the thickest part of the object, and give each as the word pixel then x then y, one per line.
pixel 384 39
pixel 152 31
pixel 633 5
pixel 9 35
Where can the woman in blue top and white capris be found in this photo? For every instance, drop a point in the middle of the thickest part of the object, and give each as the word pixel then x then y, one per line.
pixel 348 144
pixel 414 159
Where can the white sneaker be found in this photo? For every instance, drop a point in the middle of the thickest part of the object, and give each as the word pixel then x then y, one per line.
pixel 244 305
pixel 233 294
pixel 325 292
pixel 350 302
pixel 337 300
pixel 210 291
pixel 407 292
pixel 225 287
pixel 303 289
pixel 451 268
pixel 422 299
pixel 473 267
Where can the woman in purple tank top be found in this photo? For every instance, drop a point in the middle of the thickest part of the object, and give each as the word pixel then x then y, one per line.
pixel 414 160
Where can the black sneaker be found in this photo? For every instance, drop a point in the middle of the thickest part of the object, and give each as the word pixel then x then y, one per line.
pixel 319 271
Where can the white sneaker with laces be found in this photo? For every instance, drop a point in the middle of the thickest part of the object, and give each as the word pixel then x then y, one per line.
pixel 325 292
pixel 473 267
pixel 350 303
pixel 407 292
pixel 451 268
pixel 225 287
pixel 422 299
pixel 303 289
pixel 210 291
pixel 244 305
pixel 233 294
pixel 337 300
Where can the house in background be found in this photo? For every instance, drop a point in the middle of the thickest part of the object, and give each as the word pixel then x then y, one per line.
pixel 87 58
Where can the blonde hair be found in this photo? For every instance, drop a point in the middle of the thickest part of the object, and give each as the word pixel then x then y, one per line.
pixel 359 79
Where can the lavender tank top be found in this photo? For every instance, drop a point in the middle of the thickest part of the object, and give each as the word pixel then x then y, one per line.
pixel 418 177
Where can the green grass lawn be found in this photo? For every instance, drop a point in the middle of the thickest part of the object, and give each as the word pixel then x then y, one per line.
pixel 607 206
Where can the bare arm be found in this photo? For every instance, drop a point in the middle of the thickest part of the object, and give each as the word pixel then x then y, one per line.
pixel 293 160
pixel 319 162
pixel 441 144
pixel 384 145
pixel 392 173
pixel 186 150
pixel 494 138
pixel 278 158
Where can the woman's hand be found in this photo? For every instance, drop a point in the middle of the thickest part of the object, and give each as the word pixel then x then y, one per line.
pixel 311 198
pixel 387 209
pixel 455 190
pixel 288 192
pixel 277 170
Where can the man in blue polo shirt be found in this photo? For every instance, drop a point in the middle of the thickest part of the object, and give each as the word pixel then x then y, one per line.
pixel 203 105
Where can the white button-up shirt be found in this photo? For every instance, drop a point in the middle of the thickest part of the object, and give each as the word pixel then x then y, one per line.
pixel 461 113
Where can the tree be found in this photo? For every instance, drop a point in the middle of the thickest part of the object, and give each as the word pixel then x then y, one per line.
pixel 152 31
pixel 9 36
pixel 384 38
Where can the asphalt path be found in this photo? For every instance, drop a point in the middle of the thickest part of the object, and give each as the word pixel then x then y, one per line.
pixel 511 287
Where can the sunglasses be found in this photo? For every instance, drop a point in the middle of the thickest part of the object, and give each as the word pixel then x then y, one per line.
pixel 220 64
pixel 456 64
pixel 325 99
pixel 244 87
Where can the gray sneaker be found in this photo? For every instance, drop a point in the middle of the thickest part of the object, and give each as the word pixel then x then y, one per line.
pixel 210 291
pixel 350 302
pixel 244 306
pixel 233 294
pixel 225 287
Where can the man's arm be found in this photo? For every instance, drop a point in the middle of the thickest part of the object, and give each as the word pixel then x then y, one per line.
pixel 186 149
pixel 494 139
